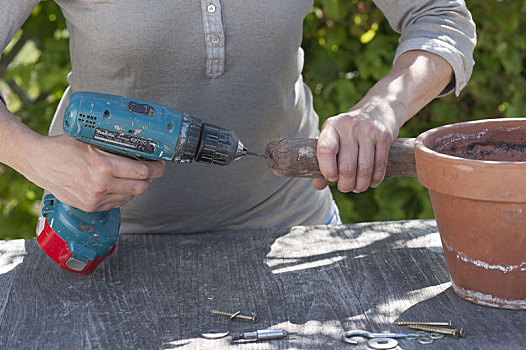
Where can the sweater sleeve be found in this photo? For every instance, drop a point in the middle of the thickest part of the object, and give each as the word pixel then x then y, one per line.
pixel 13 13
pixel 443 27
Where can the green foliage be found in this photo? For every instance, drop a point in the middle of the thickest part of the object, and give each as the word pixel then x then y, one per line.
pixel 348 46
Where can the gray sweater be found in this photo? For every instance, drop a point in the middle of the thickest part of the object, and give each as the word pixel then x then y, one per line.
pixel 232 63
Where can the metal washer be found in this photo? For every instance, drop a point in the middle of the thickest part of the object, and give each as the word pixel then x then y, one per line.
pixel 413 336
pixel 425 340
pixel 382 343
pixel 215 334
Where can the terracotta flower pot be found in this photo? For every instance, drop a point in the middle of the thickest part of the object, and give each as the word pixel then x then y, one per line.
pixel 476 176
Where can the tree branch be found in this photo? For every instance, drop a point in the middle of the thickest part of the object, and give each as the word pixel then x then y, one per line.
pixel 6 59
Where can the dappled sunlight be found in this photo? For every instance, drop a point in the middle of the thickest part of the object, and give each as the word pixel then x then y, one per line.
pixel 288 254
pixel 309 265
pixel 305 248
pixel 324 242
pixel 12 257
pixel 430 241
pixel 390 309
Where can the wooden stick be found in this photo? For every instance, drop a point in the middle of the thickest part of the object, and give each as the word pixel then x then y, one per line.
pixel 297 158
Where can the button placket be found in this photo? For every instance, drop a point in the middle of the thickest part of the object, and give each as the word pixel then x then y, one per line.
pixel 214 38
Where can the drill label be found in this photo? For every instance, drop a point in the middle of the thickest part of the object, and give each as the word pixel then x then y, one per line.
pixel 124 140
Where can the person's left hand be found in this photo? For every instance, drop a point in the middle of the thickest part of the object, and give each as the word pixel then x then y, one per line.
pixel 353 146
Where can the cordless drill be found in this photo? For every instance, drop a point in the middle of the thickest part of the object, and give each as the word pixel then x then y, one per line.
pixel 78 241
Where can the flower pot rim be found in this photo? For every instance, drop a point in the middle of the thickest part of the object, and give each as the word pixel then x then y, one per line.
pixel 470 178
pixel 419 142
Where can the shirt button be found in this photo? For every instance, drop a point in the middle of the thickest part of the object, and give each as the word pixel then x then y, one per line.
pixel 214 39
pixel 211 8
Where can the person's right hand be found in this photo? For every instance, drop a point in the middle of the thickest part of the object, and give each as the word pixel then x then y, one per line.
pixel 86 178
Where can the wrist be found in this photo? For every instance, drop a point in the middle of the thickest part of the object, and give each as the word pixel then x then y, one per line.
pixel 384 107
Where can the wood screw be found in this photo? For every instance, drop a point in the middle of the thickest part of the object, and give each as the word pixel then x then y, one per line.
pixel 448 331
pixel 423 323
pixel 254 318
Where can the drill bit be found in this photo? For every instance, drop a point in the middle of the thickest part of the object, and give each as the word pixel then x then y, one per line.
pixel 257 154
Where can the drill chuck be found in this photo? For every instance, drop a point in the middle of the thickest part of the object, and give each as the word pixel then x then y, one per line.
pixel 218 146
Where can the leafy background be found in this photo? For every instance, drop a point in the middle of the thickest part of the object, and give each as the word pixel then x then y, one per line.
pixel 348 46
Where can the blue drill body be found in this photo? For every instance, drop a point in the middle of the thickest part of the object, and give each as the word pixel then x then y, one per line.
pixel 78 241
pixel 122 125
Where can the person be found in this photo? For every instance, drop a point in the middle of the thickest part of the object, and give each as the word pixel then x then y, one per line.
pixel 235 64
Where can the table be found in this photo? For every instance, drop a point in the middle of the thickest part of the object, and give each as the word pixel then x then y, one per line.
pixel 157 291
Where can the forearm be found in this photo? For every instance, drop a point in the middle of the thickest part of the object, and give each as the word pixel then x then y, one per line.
pixel 416 79
pixel 444 27
pixel 16 141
